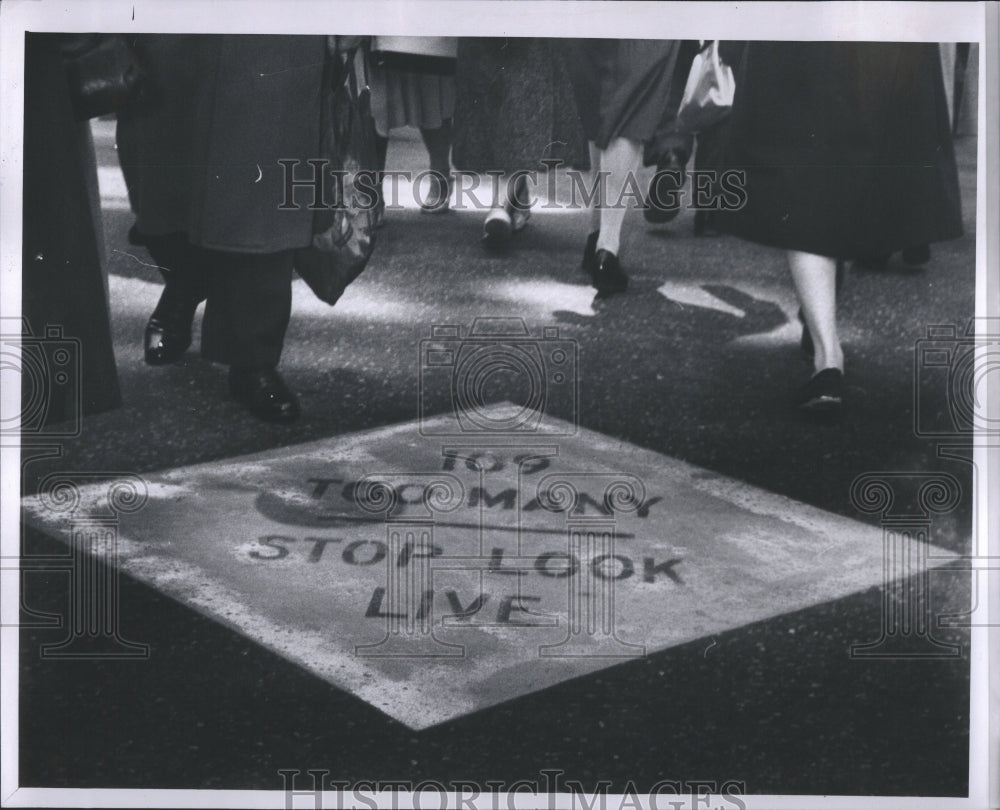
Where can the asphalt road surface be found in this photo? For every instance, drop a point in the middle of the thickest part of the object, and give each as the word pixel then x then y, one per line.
pixel 697 361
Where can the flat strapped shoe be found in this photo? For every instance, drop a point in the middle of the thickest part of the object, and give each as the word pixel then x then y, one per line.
pixel 607 276
pixel 823 393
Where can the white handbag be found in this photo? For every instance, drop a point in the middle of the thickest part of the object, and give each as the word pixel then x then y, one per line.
pixel 441 47
pixel 708 94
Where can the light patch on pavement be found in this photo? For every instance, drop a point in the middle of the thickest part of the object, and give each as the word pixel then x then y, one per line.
pixel 434 572
pixel 546 296
pixel 692 294
pixel 114 194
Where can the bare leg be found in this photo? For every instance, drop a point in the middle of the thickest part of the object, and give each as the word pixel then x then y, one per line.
pixel 438 143
pixel 620 160
pixel 815 280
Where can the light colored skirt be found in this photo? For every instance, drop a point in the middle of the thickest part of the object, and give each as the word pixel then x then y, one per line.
pixel 409 98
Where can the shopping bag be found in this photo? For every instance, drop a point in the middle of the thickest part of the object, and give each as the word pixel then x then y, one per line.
pixel 343 231
pixel 708 94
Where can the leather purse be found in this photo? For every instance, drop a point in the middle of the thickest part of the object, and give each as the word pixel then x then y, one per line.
pixel 343 233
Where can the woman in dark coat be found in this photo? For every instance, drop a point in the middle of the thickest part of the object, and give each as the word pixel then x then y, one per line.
pixel 513 110
pixel 847 154
pixel 200 158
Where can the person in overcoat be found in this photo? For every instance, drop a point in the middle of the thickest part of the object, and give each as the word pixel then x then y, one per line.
pixel 200 154
pixel 846 152
pixel 514 113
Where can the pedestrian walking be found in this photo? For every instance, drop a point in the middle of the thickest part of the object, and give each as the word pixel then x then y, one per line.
pixel 622 88
pixel 847 153
pixel 513 111
pixel 413 84
pixel 201 164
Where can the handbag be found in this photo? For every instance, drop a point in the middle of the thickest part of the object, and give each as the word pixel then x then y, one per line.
pixel 102 72
pixel 344 231
pixel 709 91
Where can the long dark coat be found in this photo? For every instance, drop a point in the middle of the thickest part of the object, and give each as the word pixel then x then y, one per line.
pixel 514 105
pixel 200 151
pixel 846 148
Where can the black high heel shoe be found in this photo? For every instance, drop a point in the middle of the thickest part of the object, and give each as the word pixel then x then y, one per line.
pixel 168 331
pixel 607 276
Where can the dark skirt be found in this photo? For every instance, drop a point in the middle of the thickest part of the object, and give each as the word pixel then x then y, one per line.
pixel 514 106
pixel 846 148
pixel 622 86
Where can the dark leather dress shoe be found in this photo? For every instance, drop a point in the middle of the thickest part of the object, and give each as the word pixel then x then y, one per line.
pixel 264 394
pixel 168 331
pixel 165 342
pixel 607 276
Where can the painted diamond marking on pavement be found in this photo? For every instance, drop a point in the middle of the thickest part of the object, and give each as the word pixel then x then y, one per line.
pixel 433 576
